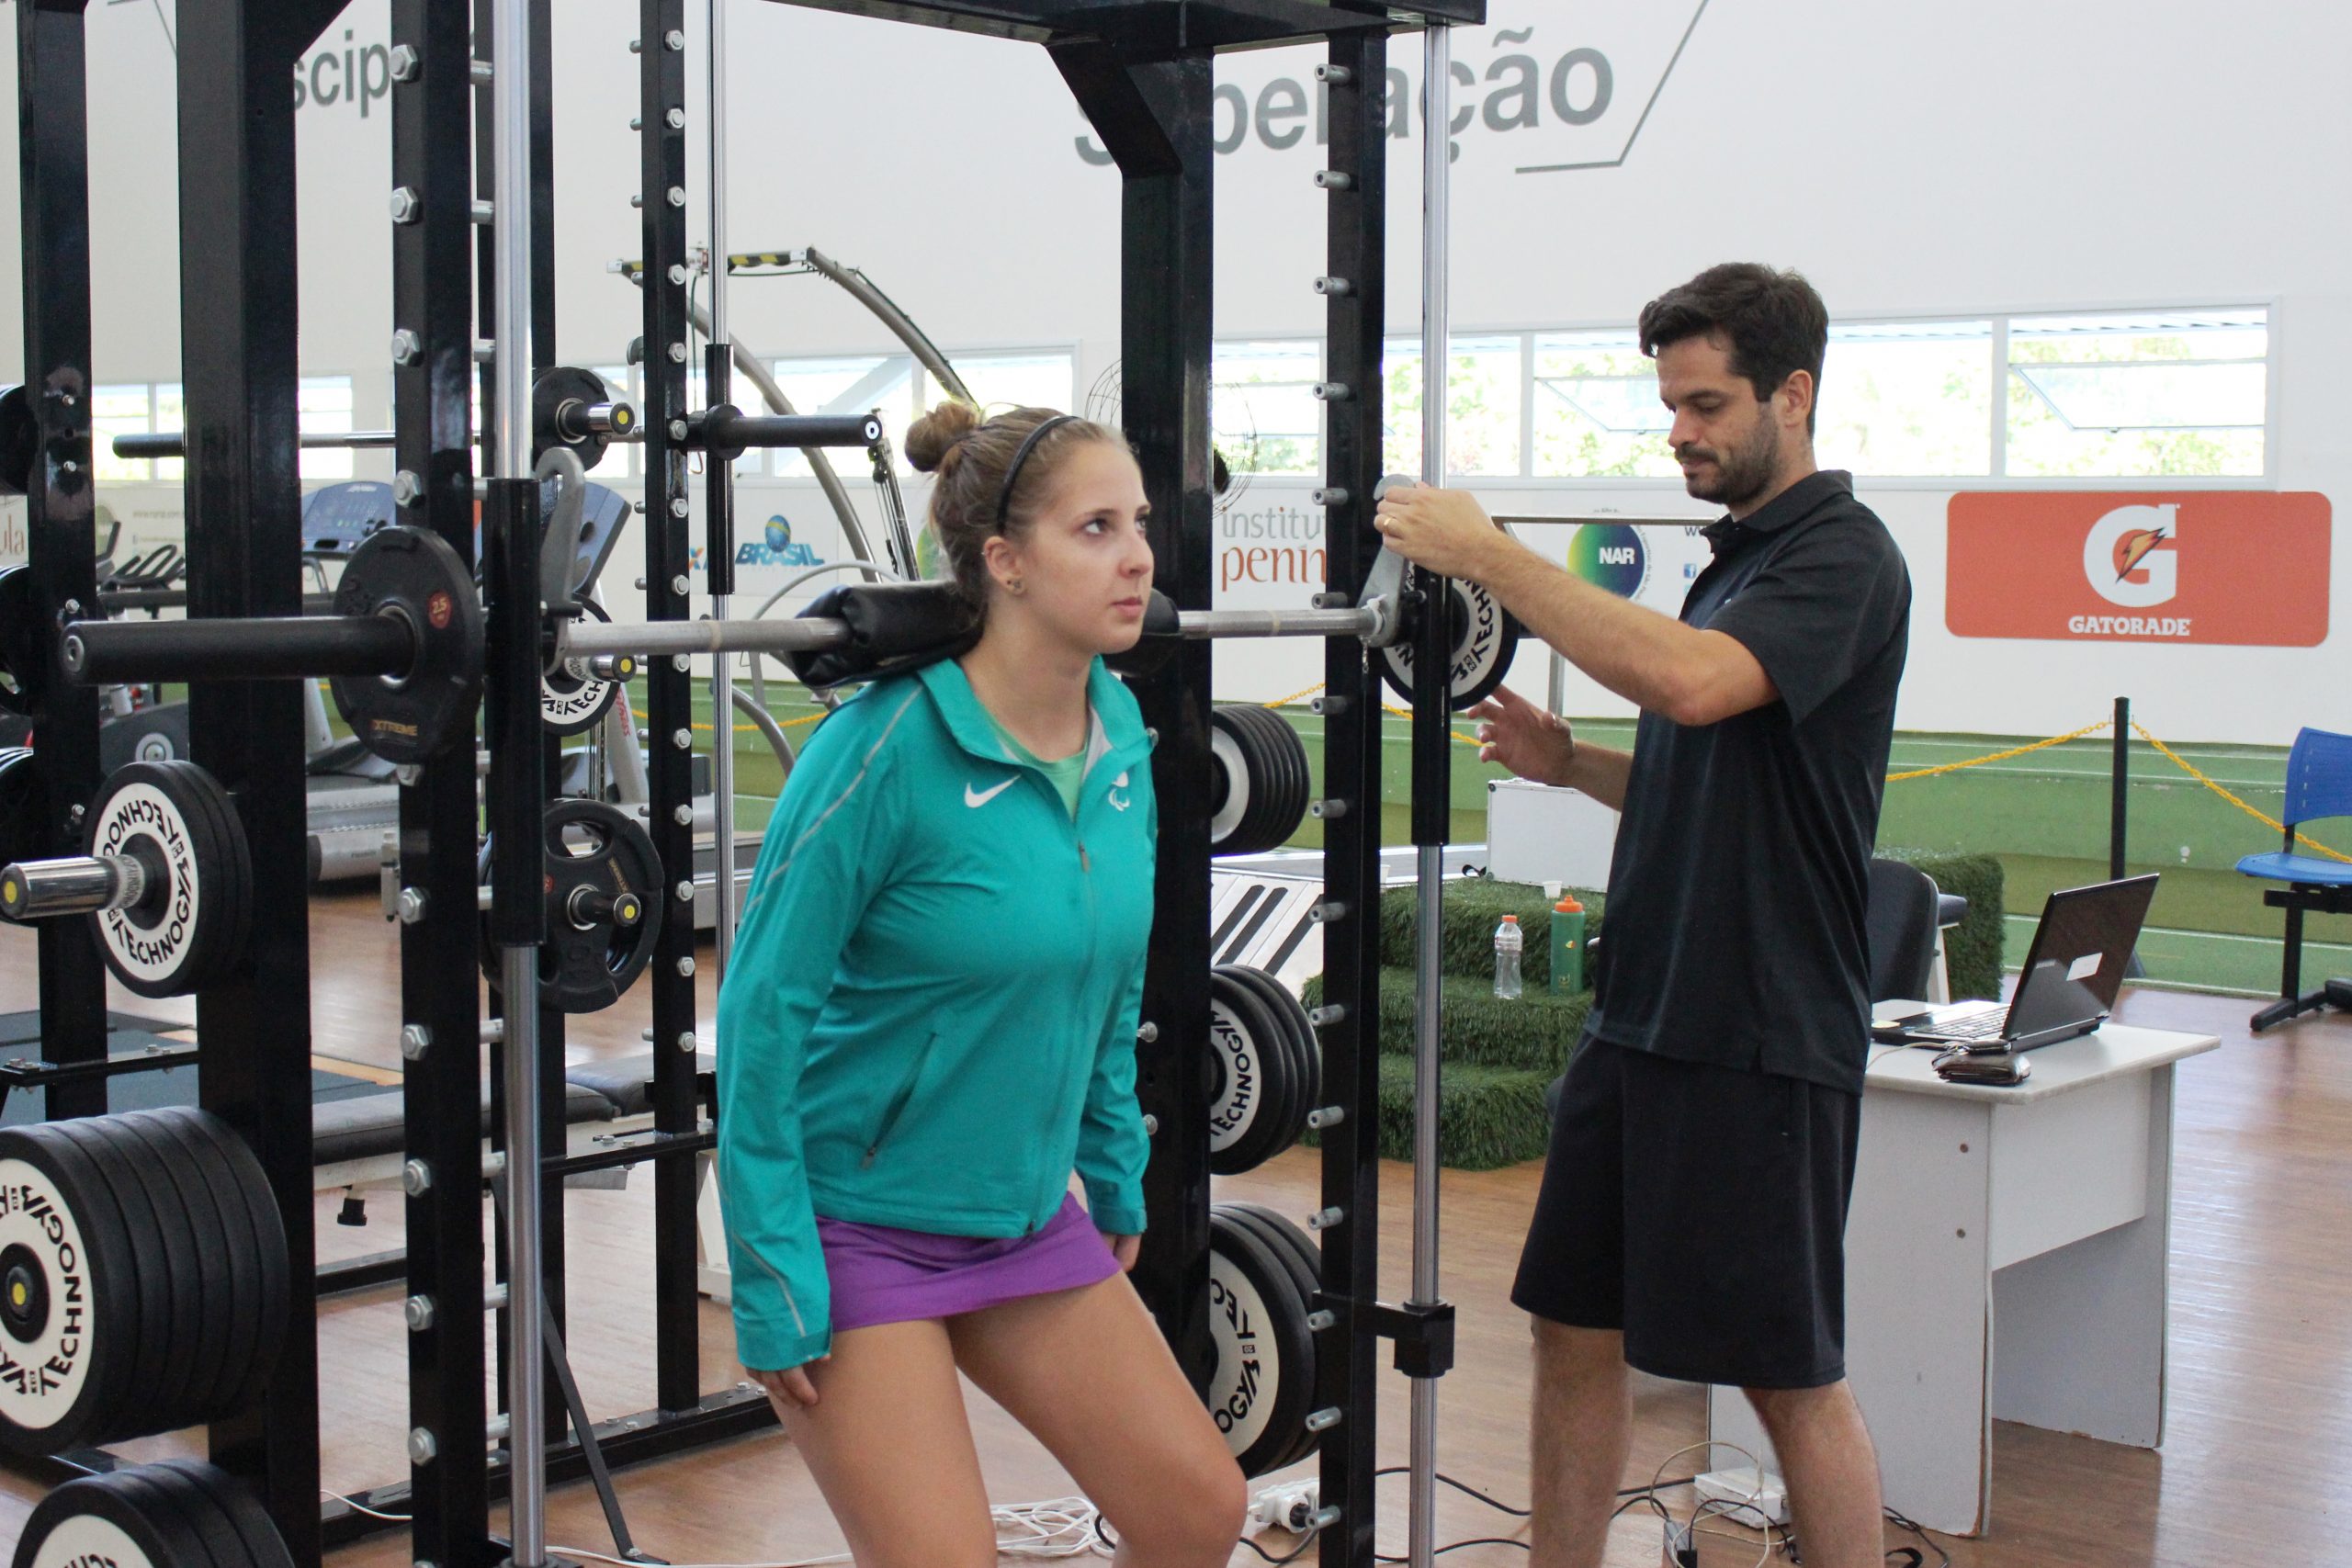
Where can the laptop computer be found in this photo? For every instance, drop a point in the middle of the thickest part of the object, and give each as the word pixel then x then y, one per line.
pixel 2068 986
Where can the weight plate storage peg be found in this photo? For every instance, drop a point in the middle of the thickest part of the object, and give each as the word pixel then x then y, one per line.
pixel 602 885
pixel 180 1514
pixel 414 576
pixel 166 881
pixel 1263 1378
pixel 1484 638
pixel 573 699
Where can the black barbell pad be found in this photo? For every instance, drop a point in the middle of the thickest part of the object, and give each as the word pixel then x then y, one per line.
pixel 264 1547
pixel 234 1254
pixel 155 1379
pixel 198 1326
pixel 111 1330
pixel 271 1274
pixel 1259 1432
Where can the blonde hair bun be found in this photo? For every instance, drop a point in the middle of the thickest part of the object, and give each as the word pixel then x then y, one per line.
pixel 931 437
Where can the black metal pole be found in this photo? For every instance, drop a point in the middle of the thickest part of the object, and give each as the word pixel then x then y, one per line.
pixel 670 692
pixel 54 188
pixel 448 1500
pixel 240 647
pixel 2118 789
pixel 1347 1366
pixel 1155 120
pixel 238 287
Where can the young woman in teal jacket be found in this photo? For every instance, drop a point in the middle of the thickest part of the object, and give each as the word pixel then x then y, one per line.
pixel 929 1025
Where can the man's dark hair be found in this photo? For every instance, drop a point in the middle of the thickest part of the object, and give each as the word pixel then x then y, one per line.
pixel 1773 322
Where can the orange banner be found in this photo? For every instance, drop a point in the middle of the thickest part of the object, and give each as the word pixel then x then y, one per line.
pixel 2244 566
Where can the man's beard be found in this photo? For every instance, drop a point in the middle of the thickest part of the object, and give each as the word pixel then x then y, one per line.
pixel 1740 476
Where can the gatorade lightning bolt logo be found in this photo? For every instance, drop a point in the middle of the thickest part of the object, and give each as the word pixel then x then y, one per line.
pixel 2130 556
pixel 2133 547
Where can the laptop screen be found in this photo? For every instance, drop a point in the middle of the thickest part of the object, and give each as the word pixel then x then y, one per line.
pixel 2076 968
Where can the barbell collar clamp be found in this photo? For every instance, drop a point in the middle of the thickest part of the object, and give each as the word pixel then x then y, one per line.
pixel 73 884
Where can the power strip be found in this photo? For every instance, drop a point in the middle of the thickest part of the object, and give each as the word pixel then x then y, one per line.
pixel 1762 1489
pixel 1290 1507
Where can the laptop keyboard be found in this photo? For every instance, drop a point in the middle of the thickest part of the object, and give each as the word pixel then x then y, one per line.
pixel 1983 1026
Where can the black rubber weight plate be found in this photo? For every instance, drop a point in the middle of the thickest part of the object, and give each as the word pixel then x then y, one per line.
pixel 1236 1077
pixel 103 1519
pixel 265 1548
pixel 246 1182
pixel 164 1267
pixel 1290 1244
pixel 1258 1389
pixel 60 1385
pixel 191 1517
pixel 1278 799
pixel 190 1221
pixel 237 877
pixel 225 1237
pixel 166 968
pixel 1297 1040
pixel 1267 1059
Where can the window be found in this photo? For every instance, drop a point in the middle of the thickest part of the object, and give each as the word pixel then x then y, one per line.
pixel 1001 381
pixel 1903 399
pixel 1596 409
pixel 122 411
pixel 846 386
pixel 1262 406
pixel 1483 401
pixel 2176 392
pixel 323 405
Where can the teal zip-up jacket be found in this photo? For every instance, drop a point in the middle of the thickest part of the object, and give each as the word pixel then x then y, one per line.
pixel 929 1018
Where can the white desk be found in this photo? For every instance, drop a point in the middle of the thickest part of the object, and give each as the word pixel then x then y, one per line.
pixel 2046 1206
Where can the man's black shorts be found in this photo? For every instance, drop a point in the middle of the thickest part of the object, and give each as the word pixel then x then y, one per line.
pixel 1701 1209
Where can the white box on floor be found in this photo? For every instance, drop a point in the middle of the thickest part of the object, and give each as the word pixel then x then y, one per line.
pixel 1543 833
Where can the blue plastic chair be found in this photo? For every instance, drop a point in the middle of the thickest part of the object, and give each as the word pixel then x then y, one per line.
pixel 2319 785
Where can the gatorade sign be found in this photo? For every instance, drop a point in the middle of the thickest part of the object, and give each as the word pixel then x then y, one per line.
pixel 2243 567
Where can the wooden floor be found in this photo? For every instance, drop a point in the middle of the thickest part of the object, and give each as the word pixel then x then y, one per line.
pixel 2261 1370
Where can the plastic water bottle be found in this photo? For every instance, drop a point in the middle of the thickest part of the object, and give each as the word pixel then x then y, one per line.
pixel 1508 947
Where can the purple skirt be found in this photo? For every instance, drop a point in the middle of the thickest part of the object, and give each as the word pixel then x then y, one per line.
pixel 884 1275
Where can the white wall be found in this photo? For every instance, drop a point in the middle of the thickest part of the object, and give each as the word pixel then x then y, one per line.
pixel 2005 156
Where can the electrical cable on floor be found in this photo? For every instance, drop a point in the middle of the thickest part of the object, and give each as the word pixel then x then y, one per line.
pixel 357 1506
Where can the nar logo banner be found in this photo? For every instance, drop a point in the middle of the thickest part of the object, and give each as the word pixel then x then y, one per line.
pixel 2243 567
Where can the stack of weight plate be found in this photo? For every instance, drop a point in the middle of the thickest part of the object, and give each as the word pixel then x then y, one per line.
pixel 1263 1273
pixel 143 1277
pixel 1265 1068
pixel 177 1514
pixel 1259 782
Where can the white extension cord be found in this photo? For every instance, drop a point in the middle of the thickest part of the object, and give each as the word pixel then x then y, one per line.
pixel 1759 1490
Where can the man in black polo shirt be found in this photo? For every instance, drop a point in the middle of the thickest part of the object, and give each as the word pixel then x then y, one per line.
pixel 1691 1220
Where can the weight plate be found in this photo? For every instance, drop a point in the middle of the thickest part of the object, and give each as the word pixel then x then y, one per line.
pixel 1229 785
pixel 269 1277
pixel 416 577
pixel 264 1547
pixel 184 1516
pixel 180 935
pixel 600 864
pixel 1484 638
pixel 24 807
pixel 69 1306
pixel 563 387
pixel 197 1328
pixel 1300 1031
pixel 231 1249
pixel 155 1378
pixel 20 623
pixel 571 701
pixel 122 1518
pixel 1301 1069
pixel 1245 1073
pixel 233 882
pixel 19 441
pixel 1262 1379
pixel 1291 1246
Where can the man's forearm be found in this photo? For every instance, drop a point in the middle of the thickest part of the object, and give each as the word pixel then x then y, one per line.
pixel 1599 772
pixel 1652 661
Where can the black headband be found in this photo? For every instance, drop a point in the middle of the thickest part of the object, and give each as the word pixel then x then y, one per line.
pixel 1012 471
